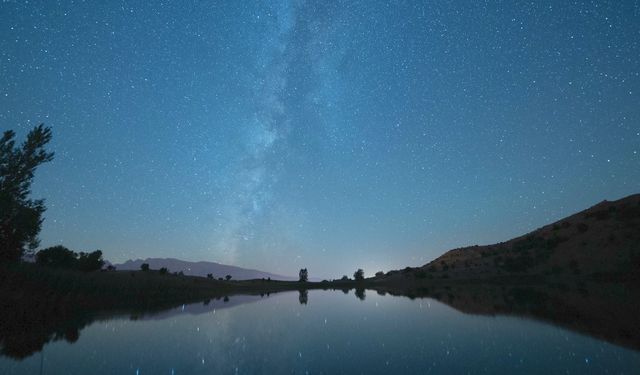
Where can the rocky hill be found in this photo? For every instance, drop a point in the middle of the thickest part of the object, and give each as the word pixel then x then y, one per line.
pixel 603 240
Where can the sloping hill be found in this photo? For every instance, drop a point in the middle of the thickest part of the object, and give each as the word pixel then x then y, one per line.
pixel 200 269
pixel 603 240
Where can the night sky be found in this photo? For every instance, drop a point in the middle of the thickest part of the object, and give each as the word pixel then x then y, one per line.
pixel 328 135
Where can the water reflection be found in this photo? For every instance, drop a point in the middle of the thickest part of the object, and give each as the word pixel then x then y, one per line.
pixel 303 297
pixel 607 312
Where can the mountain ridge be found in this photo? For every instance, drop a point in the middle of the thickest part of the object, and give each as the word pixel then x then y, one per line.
pixel 201 268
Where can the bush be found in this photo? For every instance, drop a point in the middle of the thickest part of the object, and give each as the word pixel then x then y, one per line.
pixel 228 277
pixel 144 267
pixel 164 271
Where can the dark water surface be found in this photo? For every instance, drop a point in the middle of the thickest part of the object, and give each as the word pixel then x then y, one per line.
pixel 330 332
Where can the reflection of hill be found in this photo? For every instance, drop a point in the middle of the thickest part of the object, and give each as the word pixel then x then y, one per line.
pixel 205 307
pixel 27 324
pixel 609 312
pixel 38 305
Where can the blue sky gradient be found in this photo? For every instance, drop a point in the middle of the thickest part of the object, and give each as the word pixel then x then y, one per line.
pixel 327 135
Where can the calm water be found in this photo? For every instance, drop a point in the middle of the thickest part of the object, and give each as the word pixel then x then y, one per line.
pixel 332 333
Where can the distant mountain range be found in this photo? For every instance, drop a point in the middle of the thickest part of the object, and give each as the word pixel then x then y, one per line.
pixel 200 269
pixel 603 240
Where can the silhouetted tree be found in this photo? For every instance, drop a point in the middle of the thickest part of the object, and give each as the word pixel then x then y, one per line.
pixel 304 275
pixel 56 256
pixel 358 275
pixel 144 267
pixel 20 217
pixel 344 278
pixel 60 256
pixel 111 267
pixel 163 271
pixel 220 278
pixel 209 276
pixel 228 277
pixel 90 261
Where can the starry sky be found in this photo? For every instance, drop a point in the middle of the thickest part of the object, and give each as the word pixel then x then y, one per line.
pixel 330 135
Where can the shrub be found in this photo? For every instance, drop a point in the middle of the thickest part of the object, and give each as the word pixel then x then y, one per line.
pixel 144 267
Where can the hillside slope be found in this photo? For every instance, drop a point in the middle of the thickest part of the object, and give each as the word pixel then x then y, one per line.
pixel 603 240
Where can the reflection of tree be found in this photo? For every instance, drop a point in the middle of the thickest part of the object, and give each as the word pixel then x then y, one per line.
pixel 303 296
pixel 360 294
pixel 26 326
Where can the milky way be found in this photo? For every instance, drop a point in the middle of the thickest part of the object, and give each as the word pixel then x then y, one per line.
pixel 327 135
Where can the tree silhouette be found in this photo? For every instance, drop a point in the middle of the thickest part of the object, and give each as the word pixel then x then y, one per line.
pixel 228 277
pixel 56 256
pixel 90 261
pixel 304 275
pixel 144 267
pixel 20 217
pixel 209 276
pixel 163 271
pixel 358 275
pixel 60 256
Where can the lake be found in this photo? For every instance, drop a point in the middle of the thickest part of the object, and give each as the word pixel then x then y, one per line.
pixel 323 332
